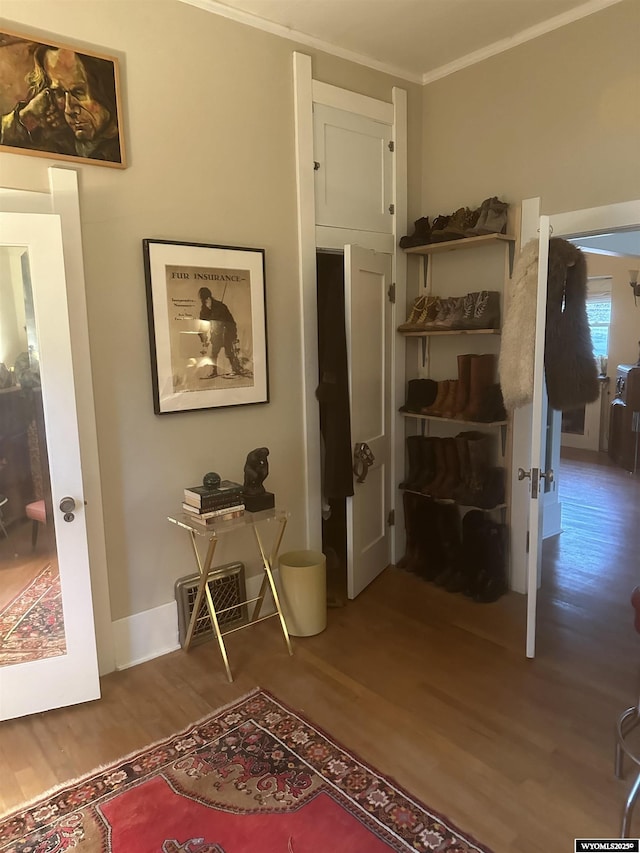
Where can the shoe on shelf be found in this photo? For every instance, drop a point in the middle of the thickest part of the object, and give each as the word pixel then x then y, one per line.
pixel 439 224
pixel 481 310
pixel 421 234
pixel 459 223
pixel 492 219
pixel 416 309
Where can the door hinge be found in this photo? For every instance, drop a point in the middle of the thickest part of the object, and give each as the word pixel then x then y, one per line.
pixel 527 548
pixel 391 293
pixel 392 209
pixel 392 146
pixel 391 518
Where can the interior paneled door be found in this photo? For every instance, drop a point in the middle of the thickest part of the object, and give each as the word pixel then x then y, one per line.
pixel 369 334
pixel 536 475
pixel 354 170
pixel 64 672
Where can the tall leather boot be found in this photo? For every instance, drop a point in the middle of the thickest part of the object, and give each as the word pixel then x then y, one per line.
pixel 449 404
pixel 492 583
pixel 464 381
pixel 449 526
pixel 427 461
pixel 445 488
pixel 440 468
pixel 481 378
pixel 436 408
pixel 480 447
pixel 430 548
pixel 414 456
pixel 409 500
pixel 473 562
pixel 462 446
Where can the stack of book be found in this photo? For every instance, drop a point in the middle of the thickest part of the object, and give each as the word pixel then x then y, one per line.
pixel 209 506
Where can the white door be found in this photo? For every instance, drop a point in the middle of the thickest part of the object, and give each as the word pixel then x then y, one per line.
pixel 353 170
pixel 369 337
pixel 581 427
pixel 47 646
pixel 534 476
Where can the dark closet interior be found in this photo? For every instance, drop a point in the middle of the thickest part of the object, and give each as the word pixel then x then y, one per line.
pixel 335 423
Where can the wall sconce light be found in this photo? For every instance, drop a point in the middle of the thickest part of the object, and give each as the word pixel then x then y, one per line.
pixel 633 283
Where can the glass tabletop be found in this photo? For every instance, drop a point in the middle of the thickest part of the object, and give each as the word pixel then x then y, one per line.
pixel 220 526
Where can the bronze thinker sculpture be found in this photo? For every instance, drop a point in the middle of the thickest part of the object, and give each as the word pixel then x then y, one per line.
pixel 256 470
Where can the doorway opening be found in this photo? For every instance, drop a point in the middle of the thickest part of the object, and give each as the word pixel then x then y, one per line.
pixel 335 422
pixel 589 570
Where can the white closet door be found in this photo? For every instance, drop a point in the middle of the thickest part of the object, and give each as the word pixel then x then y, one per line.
pixel 354 170
pixel 369 335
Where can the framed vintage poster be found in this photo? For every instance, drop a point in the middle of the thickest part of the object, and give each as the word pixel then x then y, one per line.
pixel 207 325
pixel 59 101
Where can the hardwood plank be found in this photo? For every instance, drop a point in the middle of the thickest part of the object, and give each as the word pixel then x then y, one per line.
pixel 431 688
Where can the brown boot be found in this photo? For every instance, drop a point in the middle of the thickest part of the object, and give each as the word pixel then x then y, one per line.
pixel 445 488
pixel 481 378
pixel 411 548
pixel 436 408
pixel 449 405
pixel 462 389
pixel 440 468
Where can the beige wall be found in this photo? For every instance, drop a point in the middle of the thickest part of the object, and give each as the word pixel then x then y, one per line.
pixel 557 117
pixel 208 109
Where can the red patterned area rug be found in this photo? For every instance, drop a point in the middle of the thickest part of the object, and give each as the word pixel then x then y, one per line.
pixel 32 626
pixel 254 777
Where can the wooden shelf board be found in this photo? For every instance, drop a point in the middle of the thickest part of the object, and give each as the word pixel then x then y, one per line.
pixel 426 333
pixel 465 243
pixel 453 420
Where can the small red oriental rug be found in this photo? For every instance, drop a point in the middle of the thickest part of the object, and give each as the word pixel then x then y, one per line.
pixel 32 625
pixel 253 777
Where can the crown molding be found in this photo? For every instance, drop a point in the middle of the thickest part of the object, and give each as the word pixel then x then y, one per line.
pixel 302 38
pixel 250 20
pixel 529 34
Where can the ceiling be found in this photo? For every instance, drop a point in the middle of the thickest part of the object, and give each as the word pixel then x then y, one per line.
pixel 417 40
pixel 616 243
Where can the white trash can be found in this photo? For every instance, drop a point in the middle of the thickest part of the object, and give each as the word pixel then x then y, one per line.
pixel 303 582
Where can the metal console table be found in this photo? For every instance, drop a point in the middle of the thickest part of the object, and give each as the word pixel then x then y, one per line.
pixel 253 520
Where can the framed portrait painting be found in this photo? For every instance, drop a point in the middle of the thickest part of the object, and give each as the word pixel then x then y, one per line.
pixel 59 101
pixel 207 325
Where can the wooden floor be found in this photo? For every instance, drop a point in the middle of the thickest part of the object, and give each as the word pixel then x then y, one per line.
pixel 431 688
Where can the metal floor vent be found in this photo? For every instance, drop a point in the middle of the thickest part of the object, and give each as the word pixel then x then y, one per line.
pixel 228 592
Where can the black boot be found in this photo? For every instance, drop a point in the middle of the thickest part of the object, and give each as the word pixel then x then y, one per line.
pixel 430 559
pixel 421 234
pixel 414 461
pixel 449 526
pixel 409 500
pixel 493 583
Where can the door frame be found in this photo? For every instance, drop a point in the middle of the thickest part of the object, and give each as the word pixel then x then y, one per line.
pixel 62 198
pixel 592 220
pixel 306 91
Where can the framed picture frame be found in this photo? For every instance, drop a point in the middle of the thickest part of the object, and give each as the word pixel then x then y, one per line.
pixel 207 325
pixel 59 101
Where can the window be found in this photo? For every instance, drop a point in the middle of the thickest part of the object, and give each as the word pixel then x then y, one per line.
pixel 599 314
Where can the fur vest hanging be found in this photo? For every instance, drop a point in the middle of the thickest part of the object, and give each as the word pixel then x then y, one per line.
pixel 570 367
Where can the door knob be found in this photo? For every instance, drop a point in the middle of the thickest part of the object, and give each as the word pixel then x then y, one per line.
pixel 548 475
pixel 522 474
pixel 67 505
pixel 363 459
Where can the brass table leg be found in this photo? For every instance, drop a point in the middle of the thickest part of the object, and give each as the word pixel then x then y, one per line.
pixel 268 579
pixel 203 589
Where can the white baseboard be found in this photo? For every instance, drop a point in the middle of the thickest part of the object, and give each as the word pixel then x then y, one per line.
pixel 154 632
